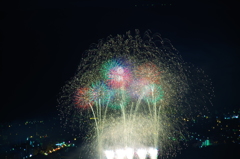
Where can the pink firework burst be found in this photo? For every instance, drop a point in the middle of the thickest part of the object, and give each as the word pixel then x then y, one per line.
pixel 119 77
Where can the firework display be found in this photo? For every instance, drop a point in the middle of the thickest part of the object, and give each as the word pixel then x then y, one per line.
pixel 138 91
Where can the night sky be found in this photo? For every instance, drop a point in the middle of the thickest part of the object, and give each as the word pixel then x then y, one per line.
pixel 42 43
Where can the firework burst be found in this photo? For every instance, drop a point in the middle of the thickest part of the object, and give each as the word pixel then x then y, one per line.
pixel 138 91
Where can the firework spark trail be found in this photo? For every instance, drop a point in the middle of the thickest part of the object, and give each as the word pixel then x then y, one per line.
pixel 138 91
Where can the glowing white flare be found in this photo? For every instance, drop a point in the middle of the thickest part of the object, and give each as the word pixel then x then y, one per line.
pixel 129 153
pixel 153 153
pixel 109 154
pixel 120 153
pixel 141 153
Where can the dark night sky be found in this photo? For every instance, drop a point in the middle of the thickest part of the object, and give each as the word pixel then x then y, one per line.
pixel 42 43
